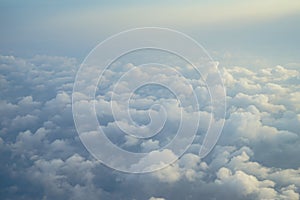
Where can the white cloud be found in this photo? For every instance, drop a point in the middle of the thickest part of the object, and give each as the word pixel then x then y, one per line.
pixel 256 157
pixel 156 198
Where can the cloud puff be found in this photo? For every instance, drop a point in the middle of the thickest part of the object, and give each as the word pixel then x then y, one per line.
pixel 43 158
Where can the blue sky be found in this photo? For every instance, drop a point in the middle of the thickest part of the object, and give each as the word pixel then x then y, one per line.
pixel 261 29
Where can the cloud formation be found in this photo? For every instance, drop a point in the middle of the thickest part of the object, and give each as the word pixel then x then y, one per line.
pixel 43 158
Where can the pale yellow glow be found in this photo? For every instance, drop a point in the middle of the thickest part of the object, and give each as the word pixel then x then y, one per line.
pixel 176 15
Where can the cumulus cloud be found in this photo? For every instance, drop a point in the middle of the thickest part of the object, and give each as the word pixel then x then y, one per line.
pixel 43 158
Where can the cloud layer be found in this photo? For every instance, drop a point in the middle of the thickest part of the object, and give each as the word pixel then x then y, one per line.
pixel 43 158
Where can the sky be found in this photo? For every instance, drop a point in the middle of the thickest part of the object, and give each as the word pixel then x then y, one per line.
pixel 146 126
pixel 261 29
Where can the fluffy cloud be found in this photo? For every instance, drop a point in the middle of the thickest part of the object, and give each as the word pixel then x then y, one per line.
pixel 43 158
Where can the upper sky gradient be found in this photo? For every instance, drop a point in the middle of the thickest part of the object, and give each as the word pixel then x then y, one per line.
pixel 261 29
